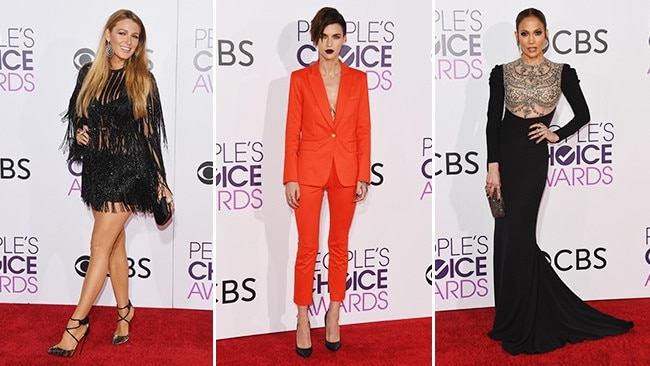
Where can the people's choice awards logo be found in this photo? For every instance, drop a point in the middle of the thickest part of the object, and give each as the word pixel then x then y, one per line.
pixel 367 282
pixel 584 159
pixel 426 167
pixel 17 59
pixel 369 48
pixel 237 176
pixel 203 44
pixel 200 270
pixel 461 267
pixel 458 44
pixel 19 264
pixel 647 255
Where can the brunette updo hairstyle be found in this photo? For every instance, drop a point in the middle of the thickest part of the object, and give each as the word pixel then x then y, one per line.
pixel 530 12
pixel 322 19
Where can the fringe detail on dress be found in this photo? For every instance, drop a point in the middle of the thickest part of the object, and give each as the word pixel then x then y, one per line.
pixel 123 168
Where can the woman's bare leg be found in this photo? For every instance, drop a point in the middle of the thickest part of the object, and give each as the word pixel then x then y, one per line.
pixel 303 333
pixel 332 330
pixel 106 230
pixel 118 268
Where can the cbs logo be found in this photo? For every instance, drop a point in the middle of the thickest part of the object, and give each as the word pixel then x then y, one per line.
pixel 86 55
pixel 228 53
pixel 232 291
pixel 581 259
pixel 453 163
pixel 139 268
pixel 10 169
pixel 579 41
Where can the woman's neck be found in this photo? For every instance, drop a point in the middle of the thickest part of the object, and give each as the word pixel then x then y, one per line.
pixel 116 64
pixel 532 61
pixel 329 68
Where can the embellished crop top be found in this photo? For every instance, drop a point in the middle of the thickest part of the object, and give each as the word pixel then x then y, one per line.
pixel 532 92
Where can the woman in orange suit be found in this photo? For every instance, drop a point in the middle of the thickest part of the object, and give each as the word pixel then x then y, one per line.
pixel 327 148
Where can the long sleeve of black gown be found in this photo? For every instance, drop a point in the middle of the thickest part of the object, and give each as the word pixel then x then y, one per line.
pixel 495 113
pixel 573 93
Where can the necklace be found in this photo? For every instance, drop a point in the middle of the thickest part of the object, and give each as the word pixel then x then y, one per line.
pixel 530 69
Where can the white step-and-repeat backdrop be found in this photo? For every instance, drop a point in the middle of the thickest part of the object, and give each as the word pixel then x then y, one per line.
pixel 44 227
pixel 594 223
pixel 257 46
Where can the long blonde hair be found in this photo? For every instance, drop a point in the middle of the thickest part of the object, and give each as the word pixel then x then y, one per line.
pixel 138 79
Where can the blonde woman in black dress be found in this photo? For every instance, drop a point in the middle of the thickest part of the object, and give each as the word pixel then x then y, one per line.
pixel 535 311
pixel 115 126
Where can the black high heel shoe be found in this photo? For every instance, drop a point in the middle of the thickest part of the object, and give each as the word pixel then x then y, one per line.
pixel 58 351
pixel 332 346
pixel 118 339
pixel 303 352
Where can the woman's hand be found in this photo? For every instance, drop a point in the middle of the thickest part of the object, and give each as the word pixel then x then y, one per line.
pixel 168 194
pixel 539 132
pixel 292 194
pixel 493 181
pixel 82 136
pixel 362 191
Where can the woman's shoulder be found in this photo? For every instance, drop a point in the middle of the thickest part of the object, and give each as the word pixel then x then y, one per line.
pixel 558 66
pixel 352 70
pixel 355 75
pixel 151 75
pixel 304 70
pixel 561 68
pixel 86 66
pixel 83 70
pixel 497 72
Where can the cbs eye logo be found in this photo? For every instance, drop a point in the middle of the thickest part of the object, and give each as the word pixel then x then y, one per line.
pixel 86 55
pixel 205 173
pixel 82 57
pixel 428 275
pixel 81 265
pixel 139 268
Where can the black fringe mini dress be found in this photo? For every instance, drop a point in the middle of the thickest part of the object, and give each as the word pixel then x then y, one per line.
pixel 535 311
pixel 123 169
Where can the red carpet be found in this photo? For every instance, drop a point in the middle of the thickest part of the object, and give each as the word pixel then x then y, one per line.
pixel 158 337
pixel 401 342
pixel 461 339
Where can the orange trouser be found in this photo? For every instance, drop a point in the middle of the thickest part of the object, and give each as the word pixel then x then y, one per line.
pixel 341 209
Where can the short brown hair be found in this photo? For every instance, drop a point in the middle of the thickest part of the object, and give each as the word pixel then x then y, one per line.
pixel 322 19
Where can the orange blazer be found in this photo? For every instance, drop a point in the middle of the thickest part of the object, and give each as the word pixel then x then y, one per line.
pixel 313 140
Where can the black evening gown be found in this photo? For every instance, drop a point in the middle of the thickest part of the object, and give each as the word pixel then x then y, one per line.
pixel 123 168
pixel 535 311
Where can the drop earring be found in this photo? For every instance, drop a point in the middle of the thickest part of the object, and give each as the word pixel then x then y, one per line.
pixel 133 58
pixel 109 50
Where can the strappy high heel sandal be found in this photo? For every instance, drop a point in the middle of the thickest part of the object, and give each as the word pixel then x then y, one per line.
pixel 58 351
pixel 119 339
